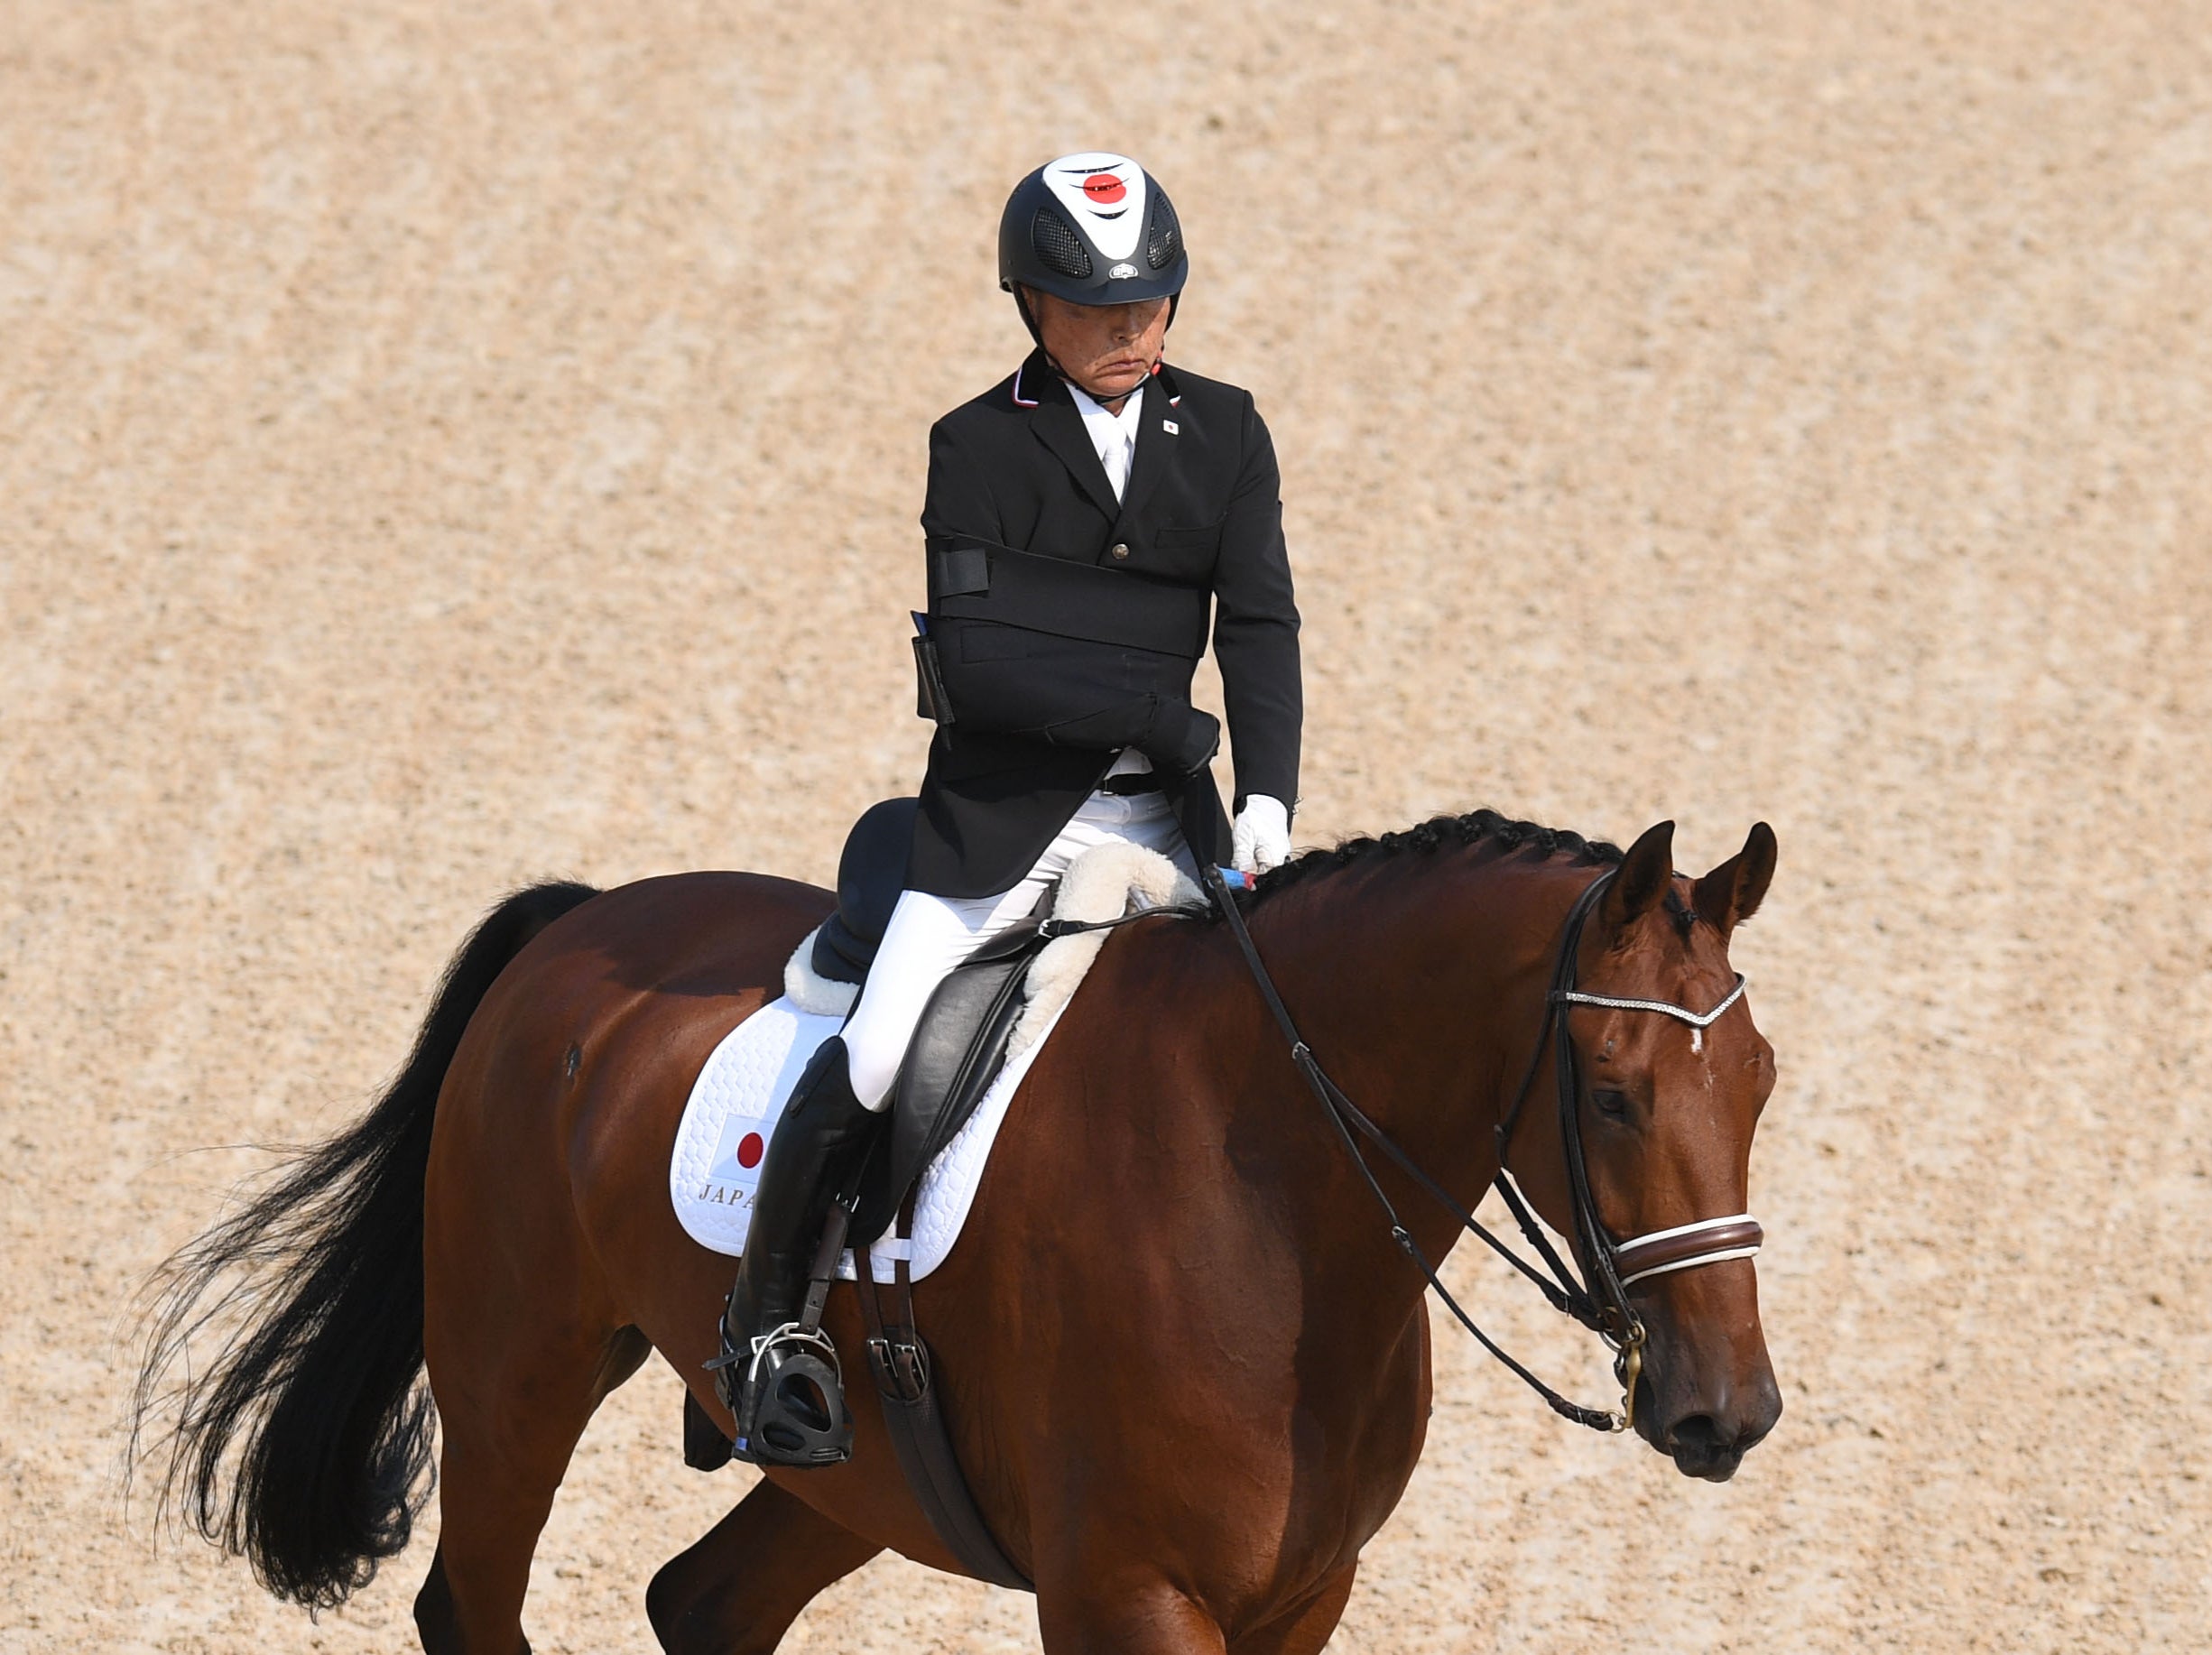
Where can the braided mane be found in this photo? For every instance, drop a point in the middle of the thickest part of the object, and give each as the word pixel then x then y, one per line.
pixel 1438 833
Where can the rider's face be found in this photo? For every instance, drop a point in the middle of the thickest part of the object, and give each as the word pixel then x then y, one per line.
pixel 1106 349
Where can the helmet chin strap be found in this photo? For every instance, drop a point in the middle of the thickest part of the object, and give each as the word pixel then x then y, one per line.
pixel 1021 303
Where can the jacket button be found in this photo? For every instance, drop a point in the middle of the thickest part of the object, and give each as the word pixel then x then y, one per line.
pixel 1121 548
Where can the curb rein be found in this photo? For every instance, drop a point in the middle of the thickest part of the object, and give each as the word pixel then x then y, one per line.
pixel 1614 1266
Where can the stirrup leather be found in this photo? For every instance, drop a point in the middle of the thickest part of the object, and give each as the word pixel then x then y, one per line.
pixel 788 1398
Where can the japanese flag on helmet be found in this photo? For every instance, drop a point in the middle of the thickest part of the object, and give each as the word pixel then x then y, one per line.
pixel 1093 229
pixel 1105 194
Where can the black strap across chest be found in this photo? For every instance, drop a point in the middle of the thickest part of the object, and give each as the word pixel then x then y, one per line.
pixel 975 580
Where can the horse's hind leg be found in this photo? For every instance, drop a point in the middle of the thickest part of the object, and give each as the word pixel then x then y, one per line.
pixel 741 1586
pixel 510 1422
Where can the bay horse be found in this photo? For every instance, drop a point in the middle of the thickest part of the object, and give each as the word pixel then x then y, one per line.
pixel 1186 1362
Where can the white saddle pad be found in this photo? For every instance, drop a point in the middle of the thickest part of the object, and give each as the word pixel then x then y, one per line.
pixel 741 1093
pixel 739 1096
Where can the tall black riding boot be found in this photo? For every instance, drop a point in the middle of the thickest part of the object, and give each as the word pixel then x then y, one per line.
pixel 779 1381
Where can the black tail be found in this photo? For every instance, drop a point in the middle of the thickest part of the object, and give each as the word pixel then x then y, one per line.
pixel 318 1384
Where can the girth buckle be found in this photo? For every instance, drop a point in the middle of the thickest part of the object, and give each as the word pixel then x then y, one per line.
pixel 901 1364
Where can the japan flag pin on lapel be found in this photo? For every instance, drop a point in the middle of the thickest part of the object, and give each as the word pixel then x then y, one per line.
pixel 1172 429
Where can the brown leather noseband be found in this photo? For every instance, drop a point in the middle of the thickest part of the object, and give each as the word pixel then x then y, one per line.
pixel 1686 1246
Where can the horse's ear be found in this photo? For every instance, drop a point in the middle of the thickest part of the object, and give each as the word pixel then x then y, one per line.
pixel 1642 877
pixel 1731 894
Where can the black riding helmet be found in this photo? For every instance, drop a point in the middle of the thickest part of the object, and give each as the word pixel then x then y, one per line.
pixel 1092 228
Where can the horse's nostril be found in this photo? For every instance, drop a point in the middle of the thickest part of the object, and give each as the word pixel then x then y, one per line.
pixel 1698 1433
pixel 1703 1447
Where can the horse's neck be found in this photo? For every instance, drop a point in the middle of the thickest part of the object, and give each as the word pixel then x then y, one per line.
pixel 1422 993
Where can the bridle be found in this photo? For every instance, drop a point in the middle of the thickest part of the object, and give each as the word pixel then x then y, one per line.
pixel 1600 1303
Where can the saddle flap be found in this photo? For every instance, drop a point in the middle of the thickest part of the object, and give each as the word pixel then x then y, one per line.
pixel 956 1051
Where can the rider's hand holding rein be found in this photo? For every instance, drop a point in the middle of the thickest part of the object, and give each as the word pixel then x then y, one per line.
pixel 1261 838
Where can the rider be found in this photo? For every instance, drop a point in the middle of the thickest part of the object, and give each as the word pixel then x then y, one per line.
pixel 1080 516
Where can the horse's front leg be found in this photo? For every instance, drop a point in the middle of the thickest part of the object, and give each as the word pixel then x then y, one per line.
pixel 1304 1628
pixel 1122 1612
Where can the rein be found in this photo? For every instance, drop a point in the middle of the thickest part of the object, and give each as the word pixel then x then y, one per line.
pixel 1602 1305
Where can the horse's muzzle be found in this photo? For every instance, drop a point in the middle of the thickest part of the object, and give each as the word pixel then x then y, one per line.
pixel 1708 1440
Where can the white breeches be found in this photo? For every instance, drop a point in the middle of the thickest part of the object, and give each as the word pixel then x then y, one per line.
pixel 928 934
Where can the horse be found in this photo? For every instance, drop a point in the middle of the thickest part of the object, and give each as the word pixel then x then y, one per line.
pixel 1185 1357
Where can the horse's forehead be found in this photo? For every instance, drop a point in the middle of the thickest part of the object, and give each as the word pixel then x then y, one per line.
pixel 1676 954
pixel 1661 963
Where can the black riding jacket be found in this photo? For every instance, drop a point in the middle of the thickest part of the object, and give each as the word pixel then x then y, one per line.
pixel 1066 625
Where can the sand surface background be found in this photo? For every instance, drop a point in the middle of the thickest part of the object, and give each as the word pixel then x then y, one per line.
pixel 442 446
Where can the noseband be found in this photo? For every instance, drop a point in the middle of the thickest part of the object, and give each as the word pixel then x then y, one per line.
pixel 1600 1304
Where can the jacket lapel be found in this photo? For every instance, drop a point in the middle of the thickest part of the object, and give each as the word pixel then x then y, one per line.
pixel 1061 429
pixel 1155 447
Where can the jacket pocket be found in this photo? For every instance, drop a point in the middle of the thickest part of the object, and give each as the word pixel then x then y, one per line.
pixel 981 641
pixel 1187 552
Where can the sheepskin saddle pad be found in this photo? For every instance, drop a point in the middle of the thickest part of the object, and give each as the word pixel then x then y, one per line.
pixel 747 1080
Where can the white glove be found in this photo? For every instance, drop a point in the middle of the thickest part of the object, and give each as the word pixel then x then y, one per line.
pixel 1260 839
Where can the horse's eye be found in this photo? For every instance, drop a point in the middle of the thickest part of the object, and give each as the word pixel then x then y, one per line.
pixel 1613 1104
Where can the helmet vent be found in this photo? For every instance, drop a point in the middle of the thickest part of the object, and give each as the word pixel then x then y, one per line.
pixel 1166 243
pixel 1059 246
